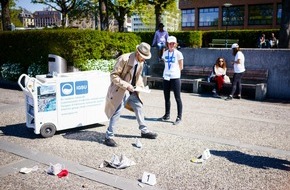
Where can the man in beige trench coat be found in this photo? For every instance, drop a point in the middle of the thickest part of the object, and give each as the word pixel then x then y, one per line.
pixel 121 91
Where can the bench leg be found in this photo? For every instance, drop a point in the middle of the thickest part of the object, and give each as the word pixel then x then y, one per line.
pixel 145 80
pixel 195 85
pixel 151 84
pixel 261 91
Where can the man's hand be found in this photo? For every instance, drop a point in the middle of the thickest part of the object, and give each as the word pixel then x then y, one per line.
pixel 130 88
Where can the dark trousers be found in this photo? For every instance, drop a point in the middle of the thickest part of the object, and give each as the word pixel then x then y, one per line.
pixel 237 83
pixel 175 86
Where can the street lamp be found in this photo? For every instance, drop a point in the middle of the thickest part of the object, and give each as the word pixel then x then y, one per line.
pixel 227 5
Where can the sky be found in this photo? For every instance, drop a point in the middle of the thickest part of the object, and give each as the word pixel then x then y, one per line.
pixel 26 4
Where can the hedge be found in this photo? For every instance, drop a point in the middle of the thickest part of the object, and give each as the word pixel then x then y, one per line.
pixel 80 47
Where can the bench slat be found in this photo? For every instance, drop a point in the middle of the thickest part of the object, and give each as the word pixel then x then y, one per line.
pixel 222 42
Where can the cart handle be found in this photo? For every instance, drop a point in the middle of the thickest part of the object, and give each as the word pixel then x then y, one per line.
pixel 26 80
pixel 29 83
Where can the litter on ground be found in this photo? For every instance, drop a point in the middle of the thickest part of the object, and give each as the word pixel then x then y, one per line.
pixel 200 159
pixel 28 170
pixel 118 163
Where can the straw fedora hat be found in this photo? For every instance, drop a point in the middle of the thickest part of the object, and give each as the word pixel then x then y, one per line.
pixel 144 50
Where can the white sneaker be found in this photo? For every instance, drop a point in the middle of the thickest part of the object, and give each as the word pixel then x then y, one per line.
pixel 214 91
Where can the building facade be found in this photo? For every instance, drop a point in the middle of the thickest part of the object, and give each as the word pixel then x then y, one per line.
pixel 47 18
pixel 138 26
pixel 26 18
pixel 230 14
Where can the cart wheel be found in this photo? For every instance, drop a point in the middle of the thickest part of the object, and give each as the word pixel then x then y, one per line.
pixel 47 130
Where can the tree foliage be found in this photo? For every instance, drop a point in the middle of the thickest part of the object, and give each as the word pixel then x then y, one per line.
pixel 64 7
pixel 145 10
pixel 121 8
pixel 159 7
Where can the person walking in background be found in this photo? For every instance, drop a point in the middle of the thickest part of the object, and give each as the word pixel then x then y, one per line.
pixel 173 60
pixel 124 77
pixel 160 38
pixel 239 69
pixel 218 75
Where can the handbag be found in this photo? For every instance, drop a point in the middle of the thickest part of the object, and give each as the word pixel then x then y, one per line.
pixel 227 79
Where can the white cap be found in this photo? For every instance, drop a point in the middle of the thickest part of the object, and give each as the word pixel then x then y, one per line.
pixel 171 39
pixel 235 45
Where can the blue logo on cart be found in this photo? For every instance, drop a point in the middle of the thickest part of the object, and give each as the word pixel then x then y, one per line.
pixel 67 89
pixel 81 87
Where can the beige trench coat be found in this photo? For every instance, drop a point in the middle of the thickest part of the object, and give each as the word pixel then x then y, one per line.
pixel 121 77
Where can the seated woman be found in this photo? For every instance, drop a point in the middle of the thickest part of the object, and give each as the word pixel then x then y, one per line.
pixel 262 41
pixel 218 75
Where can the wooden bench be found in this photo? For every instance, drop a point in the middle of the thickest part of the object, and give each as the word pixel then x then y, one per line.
pixel 255 79
pixel 187 75
pixel 223 42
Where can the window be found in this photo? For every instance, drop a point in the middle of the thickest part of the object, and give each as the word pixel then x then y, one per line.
pixel 279 13
pixel 260 14
pixel 208 17
pixel 233 16
pixel 188 18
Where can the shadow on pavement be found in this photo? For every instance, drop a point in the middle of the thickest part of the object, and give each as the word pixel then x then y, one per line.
pixel 21 131
pixel 132 117
pixel 253 160
pixel 18 130
pixel 80 134
pixel 92 136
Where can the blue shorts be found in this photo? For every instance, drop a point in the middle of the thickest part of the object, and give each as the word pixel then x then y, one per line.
pixel 161 45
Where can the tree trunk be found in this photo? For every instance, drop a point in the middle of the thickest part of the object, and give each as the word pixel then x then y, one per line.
pixel 6 21
pixel 284 41
pixel 121 18
pixel 64 21
pixel 104 20
pixel 121 24
pixel 158 13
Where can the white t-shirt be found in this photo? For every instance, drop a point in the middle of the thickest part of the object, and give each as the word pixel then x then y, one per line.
pixel 239 68
pixel 172 69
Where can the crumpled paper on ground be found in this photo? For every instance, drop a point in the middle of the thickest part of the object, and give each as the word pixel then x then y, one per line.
pixel 55 169
pixel 205 155
pixel 138 143
pixel 118 163
pixel 28 170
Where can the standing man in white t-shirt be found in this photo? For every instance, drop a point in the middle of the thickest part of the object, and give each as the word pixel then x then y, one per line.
pixel 239 69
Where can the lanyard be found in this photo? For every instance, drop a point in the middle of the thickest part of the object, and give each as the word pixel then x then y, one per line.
pixel 170 59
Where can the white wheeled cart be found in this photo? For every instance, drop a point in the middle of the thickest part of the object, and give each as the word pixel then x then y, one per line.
pixel 64 101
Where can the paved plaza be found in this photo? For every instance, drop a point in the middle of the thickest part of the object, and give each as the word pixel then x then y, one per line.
pixel 249 142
